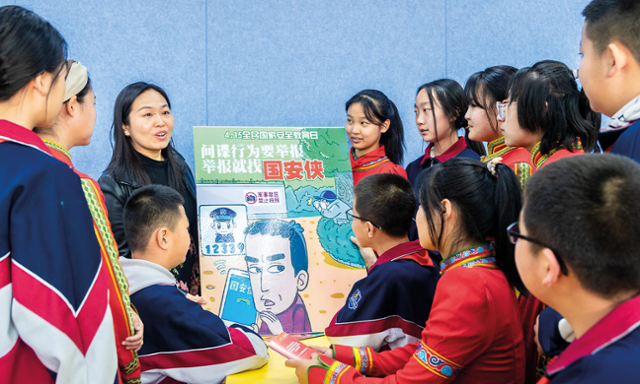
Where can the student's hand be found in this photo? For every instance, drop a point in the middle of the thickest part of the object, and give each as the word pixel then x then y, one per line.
pixel 497 160
pixel 302 366
pixel 367 254
pixel 274 325
pixel 197 299
pixel 255 328
pixel 135 342
pixel 535 337
pixel 323 350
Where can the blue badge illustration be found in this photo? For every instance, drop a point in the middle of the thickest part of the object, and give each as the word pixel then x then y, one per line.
pixel 355 299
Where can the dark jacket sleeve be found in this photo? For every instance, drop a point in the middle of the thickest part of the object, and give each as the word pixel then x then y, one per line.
pixel 115 196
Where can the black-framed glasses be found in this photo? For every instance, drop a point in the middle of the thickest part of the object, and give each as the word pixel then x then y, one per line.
pixel 514 234
pixel 362 219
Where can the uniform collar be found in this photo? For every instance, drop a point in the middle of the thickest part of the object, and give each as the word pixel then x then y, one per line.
pixel 620 322
pixel 450 153
pixel 21 135
pixel 538 159
pixel 374 156
pixel 409 250
pixel 481 255
pixel 59 152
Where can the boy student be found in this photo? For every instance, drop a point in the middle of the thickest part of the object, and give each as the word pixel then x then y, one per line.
pixel 585 262
pixel 182 341
pixel 277 264
pixel 379 312
pixel 610 71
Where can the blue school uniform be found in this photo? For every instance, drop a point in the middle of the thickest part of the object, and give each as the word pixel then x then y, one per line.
pixel 625 142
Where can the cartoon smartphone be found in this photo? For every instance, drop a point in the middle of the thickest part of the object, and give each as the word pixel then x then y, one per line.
pixel 237 300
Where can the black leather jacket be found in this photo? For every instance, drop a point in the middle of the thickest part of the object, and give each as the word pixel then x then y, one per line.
pixel 117 191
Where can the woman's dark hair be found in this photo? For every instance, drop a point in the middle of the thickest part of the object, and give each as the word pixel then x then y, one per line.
pixel 486 206
pixel 548 101
pixel 125 160
pixel 454 103
pixel 29 46
pixel 81 95
pixel 378 108
pixel 485 88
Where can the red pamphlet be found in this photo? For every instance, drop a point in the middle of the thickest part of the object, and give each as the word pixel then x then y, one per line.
pixel 290 347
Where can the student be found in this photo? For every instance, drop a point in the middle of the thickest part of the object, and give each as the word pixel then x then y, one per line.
pixel 440 109
pixel 56 324
pixel 376 134
pixel 73 127
pixel 584 262
pixel 277 264
pixel 144 154
pixel 543 113
pixel 382 310
pixel 182 341
pixel 610 71
pixel 483 90
pixel 473 334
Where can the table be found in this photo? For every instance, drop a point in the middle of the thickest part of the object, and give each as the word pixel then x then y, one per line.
pixel 275 370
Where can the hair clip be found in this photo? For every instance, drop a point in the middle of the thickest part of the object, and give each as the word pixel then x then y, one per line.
pixel 491 166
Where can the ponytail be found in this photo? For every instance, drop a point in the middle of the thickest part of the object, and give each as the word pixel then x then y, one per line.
pixel 378 108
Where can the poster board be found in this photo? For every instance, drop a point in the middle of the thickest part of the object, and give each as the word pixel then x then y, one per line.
pixel 273 207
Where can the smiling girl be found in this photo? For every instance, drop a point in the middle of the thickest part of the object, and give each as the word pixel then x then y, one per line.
pixel 143 154
pixel 376 134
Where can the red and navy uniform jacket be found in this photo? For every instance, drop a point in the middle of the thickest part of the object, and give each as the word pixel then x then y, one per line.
pixel 55 321
pixel 518 159
pixel 473 334
pixel 424 163
pixel 609 352
pixel 373 162
pixel 539 160
pixel 389 307
pixel 184 343
pixel 625 142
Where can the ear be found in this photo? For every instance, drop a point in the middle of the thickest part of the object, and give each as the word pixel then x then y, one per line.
pixel 447 209
pixel 72 106
pixel 302 279
pixel 125 129
pixel 618 58
pixel 385 126
pixel 371 230
pixel 42 83
pixel 162 237
pixel 552 266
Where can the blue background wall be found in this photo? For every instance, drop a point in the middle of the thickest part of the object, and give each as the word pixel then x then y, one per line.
pixel 295 63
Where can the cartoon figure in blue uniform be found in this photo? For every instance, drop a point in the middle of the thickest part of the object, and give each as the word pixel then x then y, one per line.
pixel 331 207
pixel 223 224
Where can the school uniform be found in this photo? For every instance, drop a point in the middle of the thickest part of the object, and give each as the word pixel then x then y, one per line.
pixel 608 352
pixel 373 162
pixel 473 334
pixel 625 142
pixel 388 308
pixel 518 159
pixel 184 343
pixel 55 320
pixel 539 160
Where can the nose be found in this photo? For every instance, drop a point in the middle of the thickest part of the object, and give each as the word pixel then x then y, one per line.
pixel 158 121
pixel 467 115
pixel 264 282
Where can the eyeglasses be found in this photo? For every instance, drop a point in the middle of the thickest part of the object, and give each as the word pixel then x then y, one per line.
pixel 576 74
pixel 502 108
pixel 514 234
pixel 361 219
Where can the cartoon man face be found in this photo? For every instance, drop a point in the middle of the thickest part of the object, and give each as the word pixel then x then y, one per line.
pixel 223 227
pixel 274 282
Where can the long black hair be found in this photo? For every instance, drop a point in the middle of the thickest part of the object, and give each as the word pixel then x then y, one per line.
pixel 125 161
pixel 378 108
pixel 548 101
pixel 29 46
pixel 485 88
pixel 486 205
pixel 454 103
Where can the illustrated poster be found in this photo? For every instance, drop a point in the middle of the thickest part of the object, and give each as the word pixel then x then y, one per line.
pixel 273 204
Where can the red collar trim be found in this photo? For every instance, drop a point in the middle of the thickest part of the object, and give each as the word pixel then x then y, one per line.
pixel 369 157
pixel 21 135
pixel 58 154
pixel 624 319
pixel 450 153
pixel 409 250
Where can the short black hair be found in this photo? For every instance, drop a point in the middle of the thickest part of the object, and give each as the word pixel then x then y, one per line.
pixel 549 101
pixel 288 230
pixel 587 209
pixel 485 88
pixel 609 20
pixel 147 209
pixel 387 200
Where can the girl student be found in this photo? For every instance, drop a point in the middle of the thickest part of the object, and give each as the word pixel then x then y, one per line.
pixel 473 334
pixel 376 134
pixel 440 109
pixel 56 324
pixel 73 127
pixel 545 113
pixel 484 90
pixel 144 154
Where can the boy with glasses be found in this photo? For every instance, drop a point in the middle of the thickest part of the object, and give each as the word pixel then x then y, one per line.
pixel 389 307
